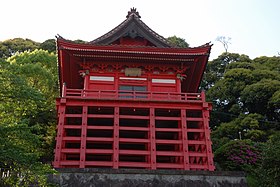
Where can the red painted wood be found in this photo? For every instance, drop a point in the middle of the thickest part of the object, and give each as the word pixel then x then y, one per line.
pixel 60 135
pixel 208 140
pixel 116 139
pixel 134 164
pixel 99 151
pixel 183 158
pixel 83 137
pixel 152 140
pixel 134 152
pixel 98 163
pixel 185 149
pixel 163 127
pixel 135 128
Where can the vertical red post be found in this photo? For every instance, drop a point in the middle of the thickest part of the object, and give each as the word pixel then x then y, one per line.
pixel 116 79
pixel 64 91
pixel 153 139
pixel 178 85
pixel 83 137
pixel 60 134
pixel 86 82
pixel 116 139
pixel 208 142
pixel 184 132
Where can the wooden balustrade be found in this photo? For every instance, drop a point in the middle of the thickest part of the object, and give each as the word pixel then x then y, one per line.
pixel 132 95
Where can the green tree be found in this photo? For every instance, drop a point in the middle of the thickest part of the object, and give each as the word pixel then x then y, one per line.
pixel 20 146
pixel 243 86
pixel 268 174
pixel 256 97
pixel 216 68
pixel 12 46
pixel 270 63
pixel 79 41
pixel 49 45
pixel 177 42
pixel 246 99
pixel 245 126
pixel 39 69
pixel 27 112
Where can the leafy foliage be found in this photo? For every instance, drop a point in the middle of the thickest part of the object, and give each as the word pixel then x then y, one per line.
pixel 244 86
pixel 215 69
pixel 49 45
pixel 79 41
pixel 256 97
pixel 20 155
pixel 27 115
pixel 12 46
pixel 246 98
pixel 269 170
pixel 238 155
pixel 177 41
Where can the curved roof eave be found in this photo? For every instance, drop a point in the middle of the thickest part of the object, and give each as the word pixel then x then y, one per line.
pixel 133 21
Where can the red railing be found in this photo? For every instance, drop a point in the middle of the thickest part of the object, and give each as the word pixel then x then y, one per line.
pixel 132 95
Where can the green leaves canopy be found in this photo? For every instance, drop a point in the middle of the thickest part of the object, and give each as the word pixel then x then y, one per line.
pixel 16 45
pixel 246 86
pixel 177 42
pixel 246 109
pixel 27 115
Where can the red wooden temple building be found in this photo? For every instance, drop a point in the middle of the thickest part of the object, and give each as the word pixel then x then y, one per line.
pixel 129 100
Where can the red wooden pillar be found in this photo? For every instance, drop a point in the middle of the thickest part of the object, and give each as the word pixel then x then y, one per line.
pixel 210 163
pixel 116 79
pixel 60 133
pixel 184 132
pixel 206 116
pixel 116 139
pixel 178 85
pixel 83 137
pixel 153 139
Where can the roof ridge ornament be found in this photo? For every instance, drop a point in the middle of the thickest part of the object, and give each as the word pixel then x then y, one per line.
pixel 133 12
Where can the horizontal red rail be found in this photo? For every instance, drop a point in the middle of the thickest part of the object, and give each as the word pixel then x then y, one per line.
pixel 168 130
pixel 98 163
pixel 99 151
pixel 135 128
pixel 133 95
pixel 101 127
pixel 134 140
pixel 134 164
pixel 169 165
pixel 133 152
pixel 169 153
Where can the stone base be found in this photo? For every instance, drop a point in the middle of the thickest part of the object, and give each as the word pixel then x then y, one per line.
pixel 96 177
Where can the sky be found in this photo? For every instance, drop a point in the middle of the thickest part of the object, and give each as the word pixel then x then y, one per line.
pixel 252 25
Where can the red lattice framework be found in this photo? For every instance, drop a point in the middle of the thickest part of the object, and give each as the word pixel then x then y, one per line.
pixel 158 131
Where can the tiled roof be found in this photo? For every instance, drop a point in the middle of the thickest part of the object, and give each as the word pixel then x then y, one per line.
pixel 135 27
pixel 131 49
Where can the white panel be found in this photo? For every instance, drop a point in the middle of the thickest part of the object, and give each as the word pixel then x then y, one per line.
pixel 131 78
pixel 101 78
pixel 170 81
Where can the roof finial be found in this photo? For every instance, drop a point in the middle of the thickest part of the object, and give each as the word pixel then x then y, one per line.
pixel 133 12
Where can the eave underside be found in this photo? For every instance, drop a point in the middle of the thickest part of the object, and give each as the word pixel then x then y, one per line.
pixel 71 54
